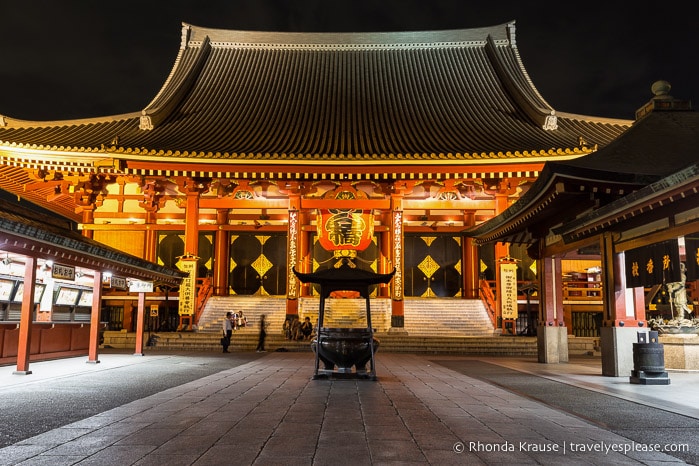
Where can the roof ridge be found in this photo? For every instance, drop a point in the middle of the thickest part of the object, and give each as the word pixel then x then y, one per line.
pixel 181 79
pixel 357 39
pixel 9 122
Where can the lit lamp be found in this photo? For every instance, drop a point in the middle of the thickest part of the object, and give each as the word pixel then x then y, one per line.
pixel 345 231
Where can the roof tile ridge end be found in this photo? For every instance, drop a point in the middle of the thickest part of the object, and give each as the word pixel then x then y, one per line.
pixel 539 111
pixel 596 119
pixel 9 122
pixel 156 111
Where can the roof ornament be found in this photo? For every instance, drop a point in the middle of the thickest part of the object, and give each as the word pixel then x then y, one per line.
pixel 551 121
pixel 146 123
pixel 2 121
pixel 583 144
pixel 186 31
pixel 662 101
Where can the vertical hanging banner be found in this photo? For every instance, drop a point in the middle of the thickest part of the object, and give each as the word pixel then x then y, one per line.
pixel 188 287
pixel 691 248
pixel 656 264
pixel 508 290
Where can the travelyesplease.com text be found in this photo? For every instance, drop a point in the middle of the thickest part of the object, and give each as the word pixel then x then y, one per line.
pixel 572 447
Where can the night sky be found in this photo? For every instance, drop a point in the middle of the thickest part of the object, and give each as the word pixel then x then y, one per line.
pixel 78 59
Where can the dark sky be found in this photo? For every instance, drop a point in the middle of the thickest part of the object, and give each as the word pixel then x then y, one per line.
pixel 75 59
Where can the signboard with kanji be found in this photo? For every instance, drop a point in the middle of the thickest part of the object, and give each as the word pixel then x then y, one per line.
pixel 188 286
pixel 138 286
pixel 656 264
pixel 508 290
pixel 64 272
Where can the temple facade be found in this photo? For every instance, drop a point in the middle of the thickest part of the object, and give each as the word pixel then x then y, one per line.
pixel 266 151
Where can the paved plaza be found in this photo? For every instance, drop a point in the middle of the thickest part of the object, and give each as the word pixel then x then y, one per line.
pixel 266 409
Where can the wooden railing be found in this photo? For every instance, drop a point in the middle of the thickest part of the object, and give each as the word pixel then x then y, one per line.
pixel 204 291
pixel 582 290
pixel 583 297
pixel 486 294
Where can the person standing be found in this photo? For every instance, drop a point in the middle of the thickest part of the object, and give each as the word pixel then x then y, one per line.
pixel 263 334
pixel 227 331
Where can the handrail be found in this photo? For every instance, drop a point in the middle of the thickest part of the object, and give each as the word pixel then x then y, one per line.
pixel 205 290
pixel 486 294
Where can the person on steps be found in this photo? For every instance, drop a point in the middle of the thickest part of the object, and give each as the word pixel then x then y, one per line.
pixel 263 334
pixel 227 331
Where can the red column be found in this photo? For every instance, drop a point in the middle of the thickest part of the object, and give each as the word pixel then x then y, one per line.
pixel 140 319
pixel 95 318
pixel 621 309
pixel 221 251
pixel 88 218
pixel 151 245
pixel 385 242
pixel 305 263
pixel 551 292
pixel 25 319
pixel 191 227
pixel 470 265
pixel 501 204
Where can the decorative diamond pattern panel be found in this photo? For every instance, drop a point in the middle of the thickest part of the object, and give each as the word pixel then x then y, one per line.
pixel 432 266
pixel 428 266
pixel 258 264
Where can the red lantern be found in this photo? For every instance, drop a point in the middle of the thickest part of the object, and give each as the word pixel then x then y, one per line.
pixel 345 231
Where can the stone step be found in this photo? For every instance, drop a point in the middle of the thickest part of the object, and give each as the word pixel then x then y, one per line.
pixel 434 317
pixel 246 340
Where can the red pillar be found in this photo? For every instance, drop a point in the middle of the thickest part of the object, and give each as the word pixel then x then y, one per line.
pixel 25 319
pixel 140 319
pixel 151 245
pixel 95 318
pixel 221 252
pixel 551 294
pixel 470 265
pixel 191 227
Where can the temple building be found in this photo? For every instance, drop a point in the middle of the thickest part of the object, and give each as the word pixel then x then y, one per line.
pixel 633 206
pixel 267 151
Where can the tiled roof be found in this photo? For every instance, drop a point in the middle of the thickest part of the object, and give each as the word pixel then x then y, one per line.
pixel 458 95
pixel 26 232
pixel 658 150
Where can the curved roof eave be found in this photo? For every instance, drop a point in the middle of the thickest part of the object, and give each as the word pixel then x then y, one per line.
pixel 676 186
pixel 551 184
pixel 446 99
pixel 25 235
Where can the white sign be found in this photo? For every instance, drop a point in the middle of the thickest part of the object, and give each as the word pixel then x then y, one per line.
pixel 188 287
pixel 137 286
pixel 508 291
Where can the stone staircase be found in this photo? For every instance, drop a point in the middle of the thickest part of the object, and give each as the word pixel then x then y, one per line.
pixel 434 326
pixel 448 317
pixel 245 340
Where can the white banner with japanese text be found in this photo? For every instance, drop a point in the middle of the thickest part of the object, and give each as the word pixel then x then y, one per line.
pixel 508 290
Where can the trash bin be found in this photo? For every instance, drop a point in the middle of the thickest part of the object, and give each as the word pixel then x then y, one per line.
pixel 649 361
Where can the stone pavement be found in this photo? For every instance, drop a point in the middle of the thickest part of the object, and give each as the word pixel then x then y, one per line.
pixel 269 411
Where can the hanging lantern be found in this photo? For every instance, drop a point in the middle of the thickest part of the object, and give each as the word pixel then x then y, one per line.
pixel 345 231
